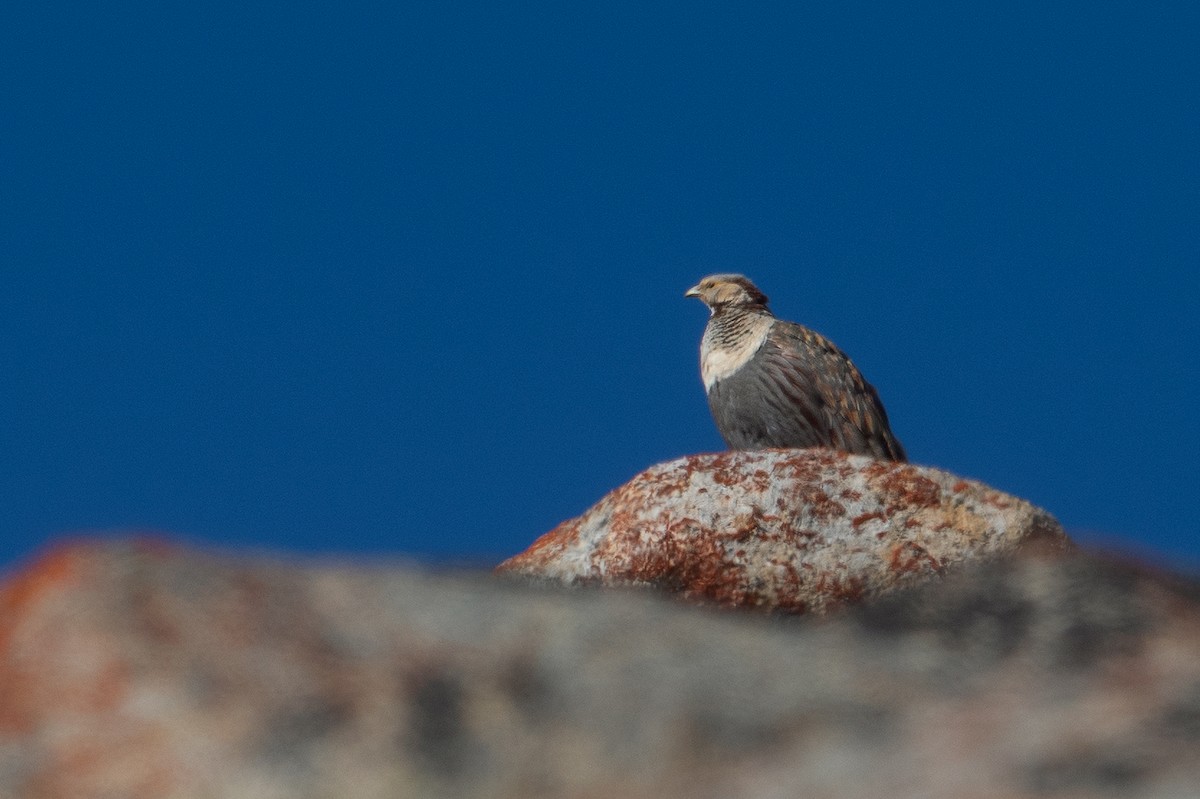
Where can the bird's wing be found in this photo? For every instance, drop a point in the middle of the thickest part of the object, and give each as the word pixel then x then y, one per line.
pixel 823 381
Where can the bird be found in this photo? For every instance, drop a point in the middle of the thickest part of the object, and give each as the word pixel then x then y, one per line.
pixel 772 383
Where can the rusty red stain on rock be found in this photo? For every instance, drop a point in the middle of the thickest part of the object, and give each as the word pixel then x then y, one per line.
pixel 762 529
pixel 20 597
pixel 725 477
pixel 550 545
pixel 822 506
pixel 908 489
pixel 54 569
pixel 876 468
pixel 90 679
pixel 863 518
pixel 840 589
pixel 997 499
pixel 909 557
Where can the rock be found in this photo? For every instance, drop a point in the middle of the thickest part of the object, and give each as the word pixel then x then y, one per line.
pixel 137 671
pixel 785 530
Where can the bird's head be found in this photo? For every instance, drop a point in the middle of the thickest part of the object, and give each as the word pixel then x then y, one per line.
pixel 728 291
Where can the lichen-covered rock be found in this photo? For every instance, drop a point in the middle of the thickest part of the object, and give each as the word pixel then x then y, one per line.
pixel 787 530
pixel 148 672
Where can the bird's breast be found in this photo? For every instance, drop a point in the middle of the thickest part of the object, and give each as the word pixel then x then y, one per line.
pixel 724 351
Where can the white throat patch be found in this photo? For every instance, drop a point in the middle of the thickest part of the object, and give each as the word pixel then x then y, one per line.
pixel 718 363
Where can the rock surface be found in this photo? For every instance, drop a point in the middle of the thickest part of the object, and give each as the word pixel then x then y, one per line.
pixel 788 530
pixel 135 671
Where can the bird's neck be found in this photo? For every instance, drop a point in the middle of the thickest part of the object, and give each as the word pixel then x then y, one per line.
pixel 732 337
pixel 730 324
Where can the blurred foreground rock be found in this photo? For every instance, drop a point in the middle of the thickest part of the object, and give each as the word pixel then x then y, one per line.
pixel 795 531
pixel 129 670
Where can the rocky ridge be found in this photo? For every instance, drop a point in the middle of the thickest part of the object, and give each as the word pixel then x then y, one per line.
pixel 129 670
pixel 975 654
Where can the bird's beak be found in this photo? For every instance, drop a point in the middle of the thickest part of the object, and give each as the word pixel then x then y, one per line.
pixel 694 291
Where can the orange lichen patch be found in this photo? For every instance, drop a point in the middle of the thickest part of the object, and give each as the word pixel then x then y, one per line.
pixel 56 569
pixel 727 469
pixel 545 548
pixel 904 489
pixel 877 468
pixel 760 480
pixel 683 557
pixel 744 528
pixel 997 500
pixel 27 685
pixel 669 482
pixel 801 538
pixel 910 557
pixel 676 560
pixel 800 466
pixel 725 477
pixel 960 486
pixel 863 518
pixel 809 468
pixel 820 505
pixel 723 468
pixel 840 589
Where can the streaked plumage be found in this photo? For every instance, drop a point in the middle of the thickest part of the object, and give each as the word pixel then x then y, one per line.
pixel 772 383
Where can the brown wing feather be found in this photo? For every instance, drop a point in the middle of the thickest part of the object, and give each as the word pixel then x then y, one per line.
pixel 823 383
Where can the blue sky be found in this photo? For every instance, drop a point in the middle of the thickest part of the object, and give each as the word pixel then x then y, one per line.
pixel 399 279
